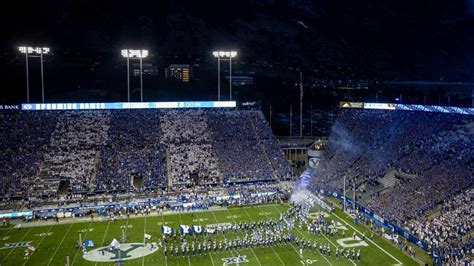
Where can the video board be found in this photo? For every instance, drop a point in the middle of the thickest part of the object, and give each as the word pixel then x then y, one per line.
pixel 125 105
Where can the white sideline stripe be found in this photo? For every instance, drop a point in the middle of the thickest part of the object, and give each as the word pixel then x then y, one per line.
pixel 60 243
pixel 78 249
pixel 86 220
pixel 210 253
pixel 270 246
pixel 303 235
pixel 189 261
pixel 21 240
pixel 38 245
pixel 375 244
pixel 259 263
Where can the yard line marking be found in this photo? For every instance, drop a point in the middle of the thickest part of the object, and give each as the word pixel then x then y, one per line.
pixel 292 245
pixel 303 235
pixel 241 233
pixel 210 254
pixel 336 247
pixel 106 230
pixel 60 243
pixel 181 220
pixel 79 248
pixel 103 238
pixel 126 228
pixel 38 245
pixel 329 242
pixel 163 223
pixel 144 232
pixel 8 230
pixel 278 256
pixel 21 240
pixel 375 244
pixel 225 238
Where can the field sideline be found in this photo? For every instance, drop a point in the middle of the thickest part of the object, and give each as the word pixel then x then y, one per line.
pixel 53 242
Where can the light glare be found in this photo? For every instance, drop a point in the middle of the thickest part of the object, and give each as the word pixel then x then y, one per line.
pixel 224 54
pixel 33 50
pixel 134 53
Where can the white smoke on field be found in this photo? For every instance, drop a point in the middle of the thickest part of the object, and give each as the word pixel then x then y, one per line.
pixel 303 197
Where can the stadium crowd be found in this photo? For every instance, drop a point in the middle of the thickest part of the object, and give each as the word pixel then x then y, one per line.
pixel 433 152
pixel 132 150
pixel 246 147
pixel 448 229
pixel 188 141
pixel 24 137
pixel 135 150
pixel 73 147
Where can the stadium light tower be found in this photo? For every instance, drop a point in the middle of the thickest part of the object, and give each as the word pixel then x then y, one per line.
pixel 134 54
pixel 33 52
pixel 224 55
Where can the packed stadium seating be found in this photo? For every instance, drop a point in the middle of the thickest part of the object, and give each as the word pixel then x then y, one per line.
pixel 432 157
pixel 132 149
pixel 364 144
pixel 447 229
pixel 188 141
pixel 108 150
pixel 23 141
pixel 71 153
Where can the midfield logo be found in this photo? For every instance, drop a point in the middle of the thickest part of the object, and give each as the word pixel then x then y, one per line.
pixel 127 251
pixel 120 254
pixel 235 260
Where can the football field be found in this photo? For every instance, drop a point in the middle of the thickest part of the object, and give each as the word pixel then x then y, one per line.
pixel 54 241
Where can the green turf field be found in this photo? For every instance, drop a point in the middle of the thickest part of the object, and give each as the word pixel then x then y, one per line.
pixel 53 242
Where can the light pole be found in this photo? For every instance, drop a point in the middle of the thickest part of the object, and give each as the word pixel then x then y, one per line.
pixel 311 119
pixel 134 54
pixel 344 193
pixel 34 52
pixel 224 55
pixel 354 192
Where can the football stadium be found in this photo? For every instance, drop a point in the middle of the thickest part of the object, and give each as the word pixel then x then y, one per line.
pixel 238 132
pixel 200 184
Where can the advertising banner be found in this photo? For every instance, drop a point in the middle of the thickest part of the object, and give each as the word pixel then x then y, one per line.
pixel 125 105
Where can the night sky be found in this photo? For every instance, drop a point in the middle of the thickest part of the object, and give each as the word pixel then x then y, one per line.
pixel 327 40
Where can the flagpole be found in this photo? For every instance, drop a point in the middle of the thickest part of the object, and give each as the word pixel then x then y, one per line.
pixel 301 104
